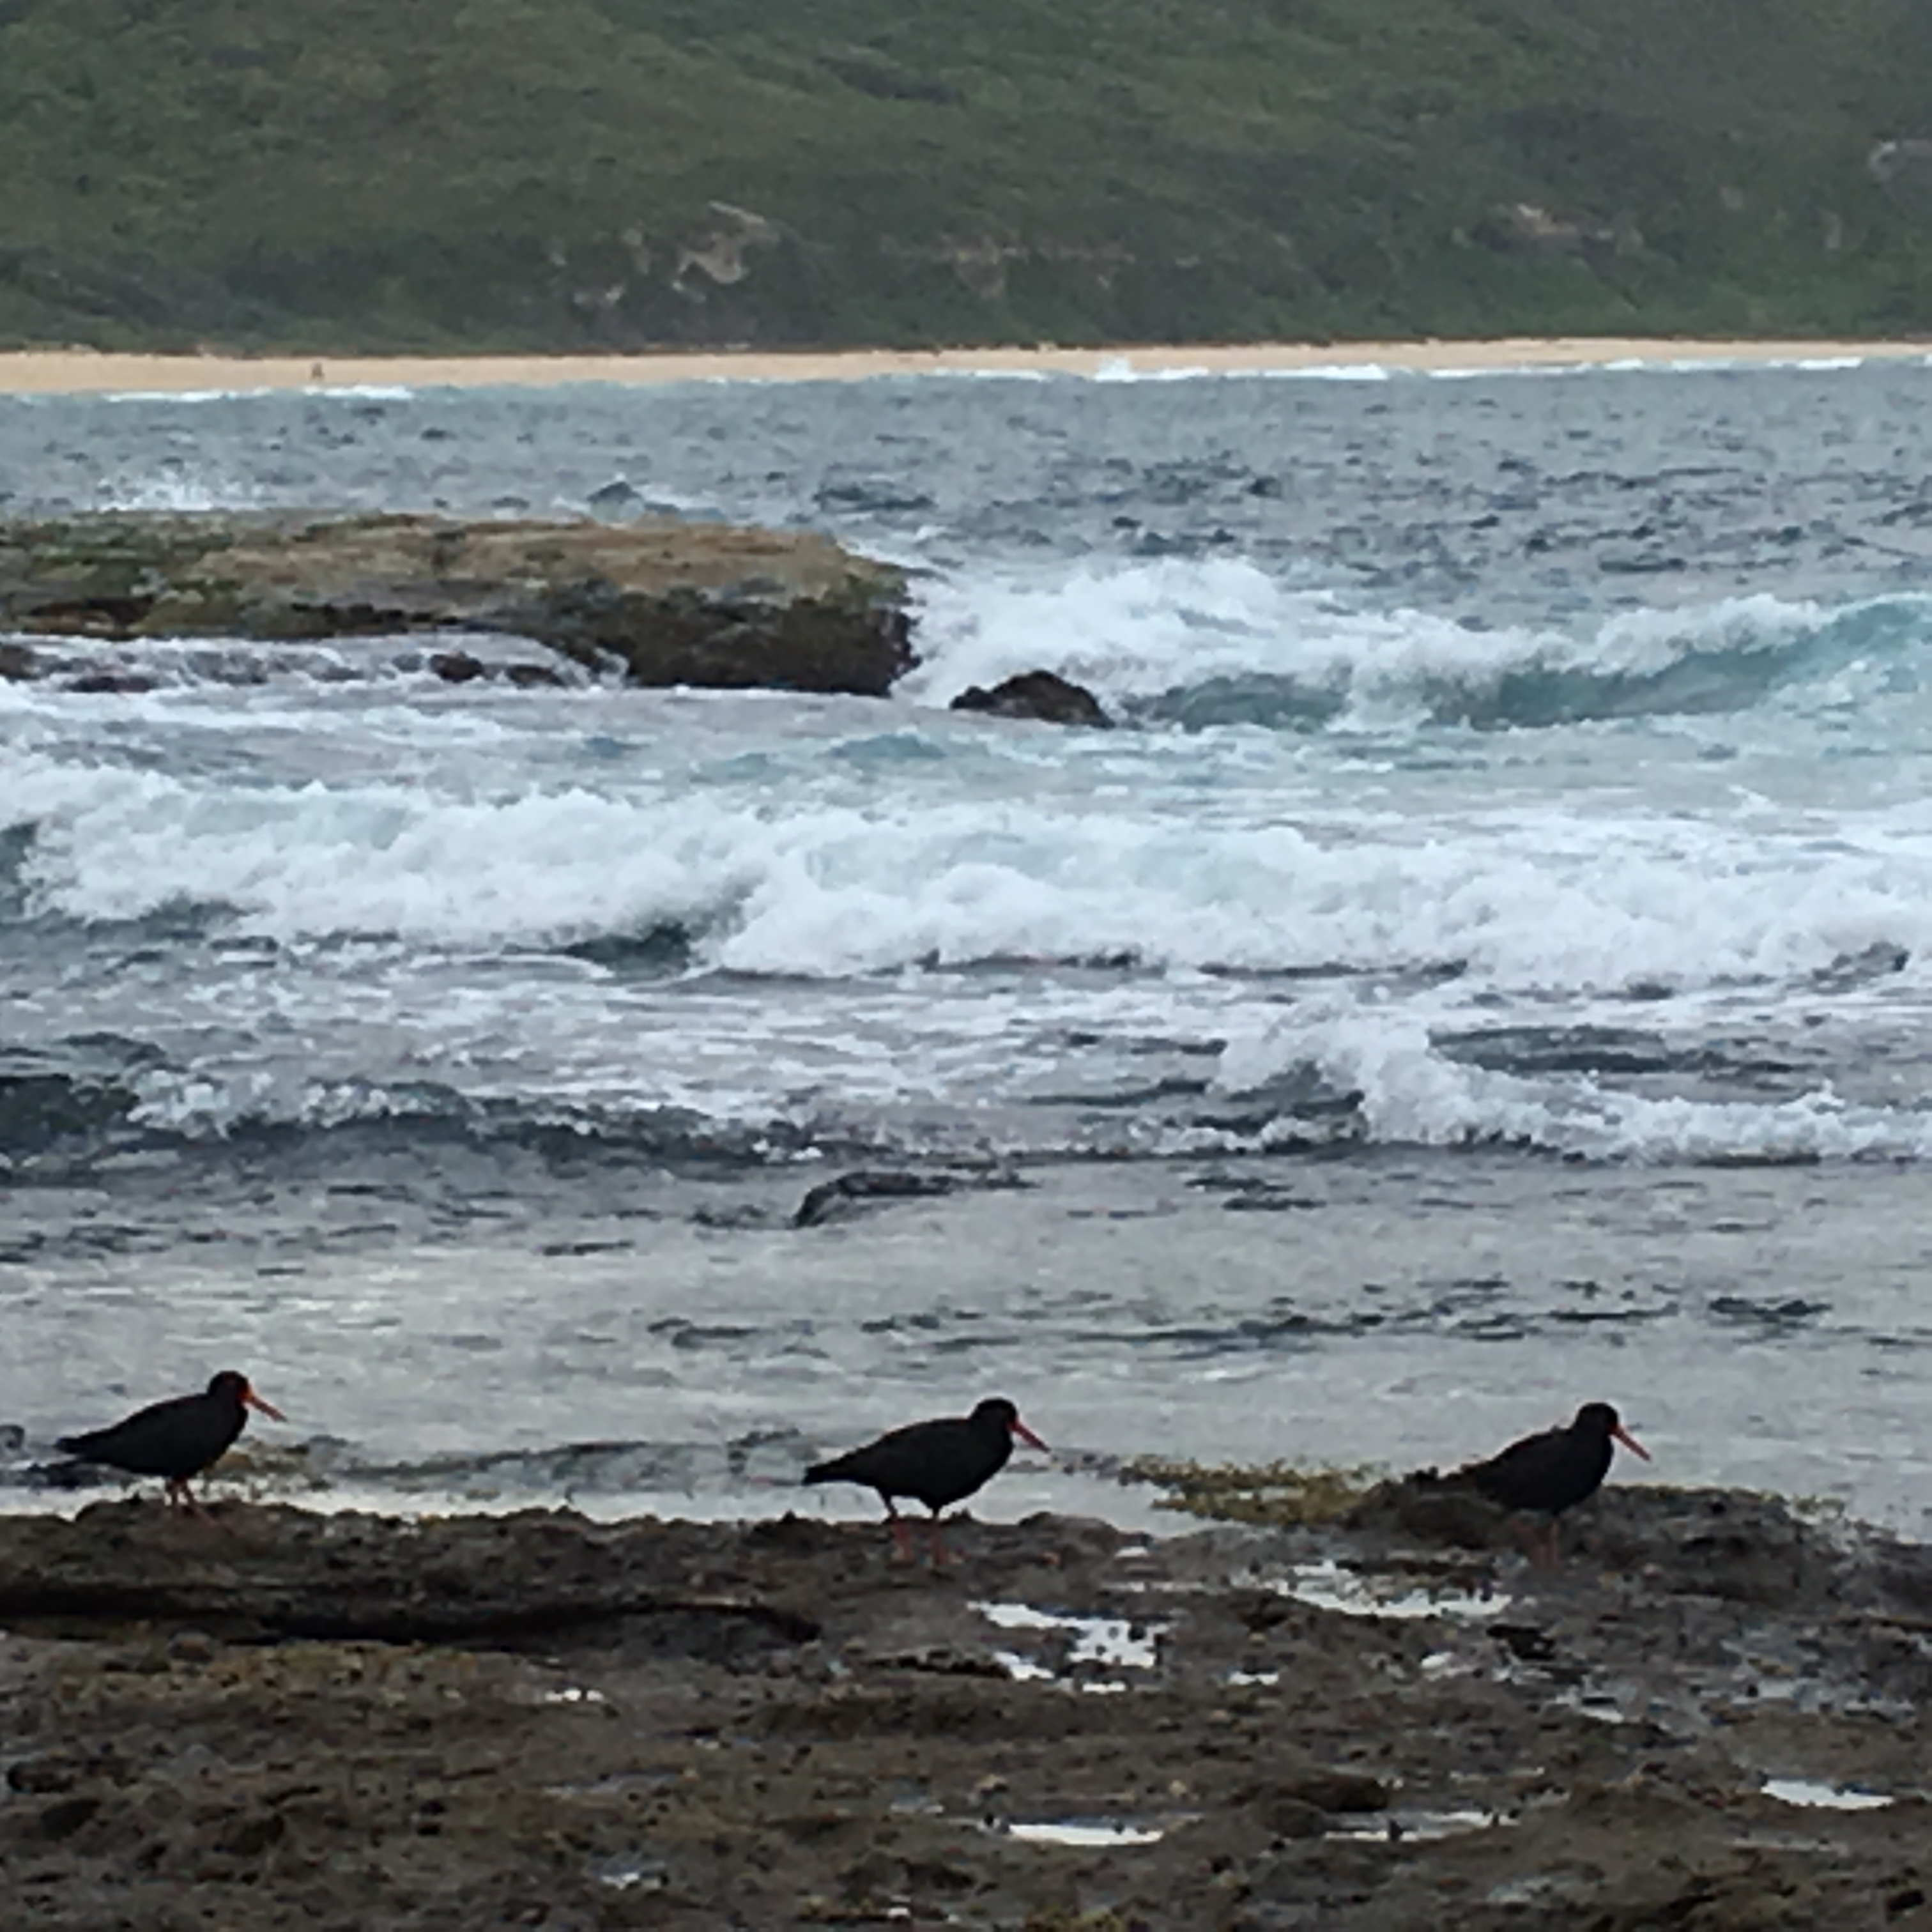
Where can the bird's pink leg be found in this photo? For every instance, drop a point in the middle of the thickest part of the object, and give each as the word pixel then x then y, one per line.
pixel 940 1558
pixel 183 1498
pixel 1536 1542
pixel 1539 1543
pixel 901 1534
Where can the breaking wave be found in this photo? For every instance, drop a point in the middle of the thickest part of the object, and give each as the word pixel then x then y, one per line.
pixel 1224 642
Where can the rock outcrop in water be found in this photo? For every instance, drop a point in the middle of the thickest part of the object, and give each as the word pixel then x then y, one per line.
pixel 1043 695
pixel 671 603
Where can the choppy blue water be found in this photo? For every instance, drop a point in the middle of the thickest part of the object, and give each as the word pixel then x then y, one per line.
pixel 1521 797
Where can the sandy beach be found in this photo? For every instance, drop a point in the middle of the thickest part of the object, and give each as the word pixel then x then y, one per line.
pixel 80 371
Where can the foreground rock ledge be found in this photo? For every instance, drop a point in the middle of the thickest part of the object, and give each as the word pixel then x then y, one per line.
pixel 672 603
pixel 276 1718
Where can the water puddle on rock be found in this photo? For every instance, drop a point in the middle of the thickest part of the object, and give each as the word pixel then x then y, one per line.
pixel 1396 1828
pixel 1113 1642
pixel 627 1873
pixel 1085 1834
pixel 1601 1704
pixel 1330 1586
pixel 616 1784
pixel 1022 1670
pixel 1815 1792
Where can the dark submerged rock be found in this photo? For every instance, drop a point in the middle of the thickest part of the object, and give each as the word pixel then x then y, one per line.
pixel 113 683
pixel 831 1200
pixel 1043 695
pixel 673 604
pixel 458 667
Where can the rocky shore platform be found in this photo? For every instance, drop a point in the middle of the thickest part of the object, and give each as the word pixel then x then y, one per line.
pixel 1713 1715
pixel 658 601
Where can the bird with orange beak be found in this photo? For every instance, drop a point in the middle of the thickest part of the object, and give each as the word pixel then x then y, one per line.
pixel 1547 1474
pixel 938 1463
pixel 175 1440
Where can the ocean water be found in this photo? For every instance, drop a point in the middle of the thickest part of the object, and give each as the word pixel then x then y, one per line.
pixel 1489 968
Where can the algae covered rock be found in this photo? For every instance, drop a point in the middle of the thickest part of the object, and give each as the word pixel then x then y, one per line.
pixel 671 603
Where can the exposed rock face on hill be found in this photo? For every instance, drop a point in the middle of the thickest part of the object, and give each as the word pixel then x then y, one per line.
pixel 672 603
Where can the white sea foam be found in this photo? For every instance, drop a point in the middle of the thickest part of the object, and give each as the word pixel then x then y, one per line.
pixel 178 488
pixel 1181 862
pixel 1412 1093
pixel 1139 629
pixel 1120 369
pixel 1541 877
pixel 386 392
pixel 1536 905
pixel 318 859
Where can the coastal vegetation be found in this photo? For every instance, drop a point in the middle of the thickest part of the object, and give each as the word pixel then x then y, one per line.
pixel 553 175
pixel 1281 1492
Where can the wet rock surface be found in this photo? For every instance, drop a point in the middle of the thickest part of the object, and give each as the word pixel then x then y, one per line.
pixel 849 1194
pixel 1713 1715
pixel 669 603
pixel 1043 696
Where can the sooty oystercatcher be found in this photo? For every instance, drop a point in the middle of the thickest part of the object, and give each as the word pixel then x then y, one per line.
pixel 1548 1473
pixel 176 1439
pixel 937 1463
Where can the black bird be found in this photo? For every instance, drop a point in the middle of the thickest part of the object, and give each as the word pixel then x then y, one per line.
pixel 937 1463
pixel 176 1439
pixel 1556 1470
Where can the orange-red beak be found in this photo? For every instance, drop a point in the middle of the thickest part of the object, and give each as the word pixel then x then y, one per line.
pixel 1630 1442
pixel 254 1401
pixel 1026 1435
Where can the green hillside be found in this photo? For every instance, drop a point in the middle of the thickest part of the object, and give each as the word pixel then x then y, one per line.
pixel 570 174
